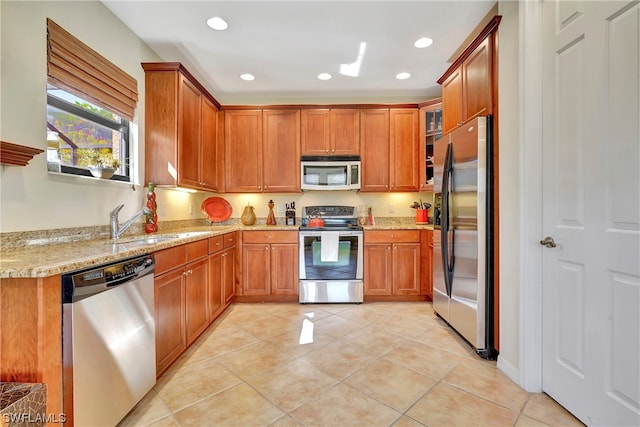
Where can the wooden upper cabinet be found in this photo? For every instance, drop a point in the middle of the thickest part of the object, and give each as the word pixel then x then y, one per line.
pixel 243 151
pixel 375 149
pixel 316 132
pixel 177 127
pixel 478 88
pixel 262 151
pixel 452 92
pixel 189 128
pixel 468 86
pixel 281 151
pixel 211 155
pixel 345 132
pixel 430 131
pixel 330 132
pixel 404 140
pixel 390 148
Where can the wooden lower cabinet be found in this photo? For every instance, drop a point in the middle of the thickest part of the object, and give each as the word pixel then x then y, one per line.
pixel 284 269
pixel 182 286
pixel 256 278
pixel 197 311
pixel 426 262
pixel 392 264
pixel 378 269
pixel 171 338
pixel 229 267
pixel 215 297
pixel 269 263
pixel 31 336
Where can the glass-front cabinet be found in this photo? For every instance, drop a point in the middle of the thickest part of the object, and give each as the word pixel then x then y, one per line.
pixel 431 129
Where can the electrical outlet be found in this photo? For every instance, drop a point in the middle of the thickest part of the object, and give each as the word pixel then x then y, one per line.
pixel 162 209
pixel 191 209
pixel 392 208
pixel 280 208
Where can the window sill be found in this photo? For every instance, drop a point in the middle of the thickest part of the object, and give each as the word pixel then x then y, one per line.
pixel 91 178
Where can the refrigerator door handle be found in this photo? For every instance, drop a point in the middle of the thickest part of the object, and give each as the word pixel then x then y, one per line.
pixel 447 264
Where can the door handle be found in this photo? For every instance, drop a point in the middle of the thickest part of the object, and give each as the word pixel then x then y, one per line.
pixel 548 242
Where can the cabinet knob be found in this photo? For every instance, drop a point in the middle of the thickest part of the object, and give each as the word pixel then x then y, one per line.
pixel 266 248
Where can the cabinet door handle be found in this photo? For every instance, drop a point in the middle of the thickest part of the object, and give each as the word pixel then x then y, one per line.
pixel 266 248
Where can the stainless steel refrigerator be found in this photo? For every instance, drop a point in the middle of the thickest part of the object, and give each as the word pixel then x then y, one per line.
pixel 463 239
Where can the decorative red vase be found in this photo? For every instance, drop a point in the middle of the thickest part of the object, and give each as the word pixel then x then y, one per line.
pixel 151 221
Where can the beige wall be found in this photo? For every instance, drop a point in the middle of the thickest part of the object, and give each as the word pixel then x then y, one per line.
pixel 32 199
pixel 509 164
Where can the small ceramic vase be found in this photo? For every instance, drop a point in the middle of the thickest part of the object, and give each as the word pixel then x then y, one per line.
pixel 248 215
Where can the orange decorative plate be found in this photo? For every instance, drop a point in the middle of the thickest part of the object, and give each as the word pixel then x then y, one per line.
pixel 216 209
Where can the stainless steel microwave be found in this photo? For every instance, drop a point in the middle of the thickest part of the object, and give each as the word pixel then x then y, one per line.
pixel 330 173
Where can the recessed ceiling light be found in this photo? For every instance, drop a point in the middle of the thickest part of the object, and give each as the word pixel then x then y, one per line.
pixel 324 76
pixel 248 77
pixel 423 42
pixel 217 23
pixel 403 76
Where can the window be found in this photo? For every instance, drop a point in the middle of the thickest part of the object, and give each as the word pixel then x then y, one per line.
pixel 80 133
pixel 90 102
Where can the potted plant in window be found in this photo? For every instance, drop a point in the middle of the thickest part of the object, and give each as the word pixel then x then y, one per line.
pixel 103 165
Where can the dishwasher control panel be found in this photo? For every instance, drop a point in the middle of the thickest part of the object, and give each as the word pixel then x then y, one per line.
pixel 90 281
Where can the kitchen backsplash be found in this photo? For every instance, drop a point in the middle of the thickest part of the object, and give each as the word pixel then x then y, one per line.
pixel 174 204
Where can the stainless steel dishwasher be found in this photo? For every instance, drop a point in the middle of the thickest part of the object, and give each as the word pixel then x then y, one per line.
pixel 108 342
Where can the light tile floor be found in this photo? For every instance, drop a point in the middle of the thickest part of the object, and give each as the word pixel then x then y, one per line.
pixel 375 364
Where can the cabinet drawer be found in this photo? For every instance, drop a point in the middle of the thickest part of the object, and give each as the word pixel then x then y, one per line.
pixel 392 236
pixel 229 240
pixel 270 237
pixel 168 259
pixel 197 249
pixel 216 243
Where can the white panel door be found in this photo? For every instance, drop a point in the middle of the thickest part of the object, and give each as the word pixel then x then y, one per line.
pixel 591 209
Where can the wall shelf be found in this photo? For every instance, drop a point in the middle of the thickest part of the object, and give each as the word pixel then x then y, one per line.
pixel 15 154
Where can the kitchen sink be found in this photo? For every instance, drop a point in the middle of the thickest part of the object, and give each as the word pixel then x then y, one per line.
pixel 152 240
pixel 142 241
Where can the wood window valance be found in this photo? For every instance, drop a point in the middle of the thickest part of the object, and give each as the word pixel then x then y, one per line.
pixel 75 67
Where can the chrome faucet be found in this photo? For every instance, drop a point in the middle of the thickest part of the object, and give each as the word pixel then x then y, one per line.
pixel 116 230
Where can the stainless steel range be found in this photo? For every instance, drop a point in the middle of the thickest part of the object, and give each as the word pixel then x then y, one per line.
pixel 331 249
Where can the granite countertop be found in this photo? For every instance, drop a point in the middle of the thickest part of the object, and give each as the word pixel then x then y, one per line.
pixel 52 255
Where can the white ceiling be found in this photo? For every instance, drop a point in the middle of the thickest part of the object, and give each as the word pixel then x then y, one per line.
pixel 286 44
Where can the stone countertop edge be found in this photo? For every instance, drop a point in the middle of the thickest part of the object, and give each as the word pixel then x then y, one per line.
pixel 48 260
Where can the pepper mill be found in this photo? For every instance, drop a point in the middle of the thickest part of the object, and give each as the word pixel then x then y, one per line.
pixel 271 218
